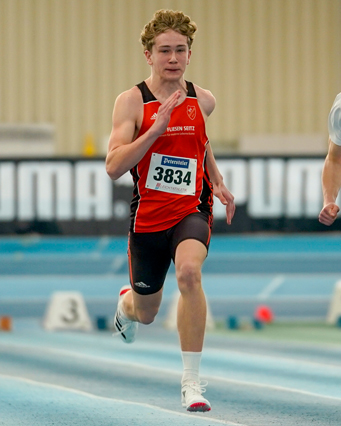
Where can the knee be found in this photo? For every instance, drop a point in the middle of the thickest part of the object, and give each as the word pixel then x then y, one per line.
pixel 189 276
pixel 146 316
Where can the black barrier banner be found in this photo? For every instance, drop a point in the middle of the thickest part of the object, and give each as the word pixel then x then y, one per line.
pixel 76 197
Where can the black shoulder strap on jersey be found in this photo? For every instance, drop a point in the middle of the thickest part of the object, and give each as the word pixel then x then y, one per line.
pixel 147 95
pixel 190 90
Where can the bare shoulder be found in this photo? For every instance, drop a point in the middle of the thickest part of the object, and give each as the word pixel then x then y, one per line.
pixel 126 117
pixel 206 100
pixel 130 100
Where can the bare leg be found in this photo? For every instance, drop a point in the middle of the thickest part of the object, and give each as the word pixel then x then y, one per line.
pixel 141 308
pixel 190 255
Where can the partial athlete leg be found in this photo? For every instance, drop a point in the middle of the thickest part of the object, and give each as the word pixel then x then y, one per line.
pixel 149 259
pixel 141 308
pixel 134 308
pixel 189 257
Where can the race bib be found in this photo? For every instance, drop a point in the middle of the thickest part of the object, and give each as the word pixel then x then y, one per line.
pixel 176 175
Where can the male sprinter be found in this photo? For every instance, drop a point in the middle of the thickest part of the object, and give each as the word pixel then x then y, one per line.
pixel 159 135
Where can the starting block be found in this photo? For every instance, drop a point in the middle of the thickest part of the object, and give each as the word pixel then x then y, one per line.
pixel 67 311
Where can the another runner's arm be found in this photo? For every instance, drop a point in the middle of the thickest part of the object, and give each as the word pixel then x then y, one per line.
pixel 331 183
pixel 123 151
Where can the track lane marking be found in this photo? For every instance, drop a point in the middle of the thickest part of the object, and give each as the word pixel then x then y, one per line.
pixel 274 284
pixel 138 347
pixel 172 372
pixel 121 401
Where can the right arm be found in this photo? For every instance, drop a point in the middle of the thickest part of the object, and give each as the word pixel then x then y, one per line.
pixel 124 151
pixel 331 183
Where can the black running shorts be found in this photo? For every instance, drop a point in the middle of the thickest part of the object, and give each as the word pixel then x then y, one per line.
pixel 150 253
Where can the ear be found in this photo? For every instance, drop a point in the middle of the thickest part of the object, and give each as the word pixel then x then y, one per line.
pixel 189 57
pixel 148 55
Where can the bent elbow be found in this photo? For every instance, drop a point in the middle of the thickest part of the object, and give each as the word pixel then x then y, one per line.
pixel 113 175
pixel 112 166
pixel 112 172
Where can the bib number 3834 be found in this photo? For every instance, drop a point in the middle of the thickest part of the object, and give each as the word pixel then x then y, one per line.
pixel 176 175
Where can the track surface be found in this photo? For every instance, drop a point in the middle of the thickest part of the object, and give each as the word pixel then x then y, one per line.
pixel 85 379
pixel 76 378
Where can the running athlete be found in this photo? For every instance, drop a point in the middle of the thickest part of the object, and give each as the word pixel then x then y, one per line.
pixel 159 135
pixel 331 174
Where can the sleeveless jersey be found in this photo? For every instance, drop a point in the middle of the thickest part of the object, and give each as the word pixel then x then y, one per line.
pixel 334 121
pixel 171 181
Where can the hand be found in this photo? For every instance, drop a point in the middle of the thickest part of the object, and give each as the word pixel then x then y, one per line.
pixel 226 198
pixel 164 113
pixel 328 214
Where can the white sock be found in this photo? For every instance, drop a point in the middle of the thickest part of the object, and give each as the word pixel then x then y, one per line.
pixel 191 362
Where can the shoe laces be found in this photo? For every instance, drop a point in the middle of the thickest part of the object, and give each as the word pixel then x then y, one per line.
pixel 197 387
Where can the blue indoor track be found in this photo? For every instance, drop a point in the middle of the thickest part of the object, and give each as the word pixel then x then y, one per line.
pixel 92 378
pixel 77 378
pixel 296 275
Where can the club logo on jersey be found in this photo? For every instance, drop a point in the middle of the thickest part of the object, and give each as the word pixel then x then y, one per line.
pixel 191 112
pixel 153 117
pixel 175 162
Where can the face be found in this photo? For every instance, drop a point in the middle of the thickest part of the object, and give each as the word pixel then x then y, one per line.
pixel 169 56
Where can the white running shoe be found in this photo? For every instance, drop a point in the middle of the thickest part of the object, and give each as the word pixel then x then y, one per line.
pixel 192 399
pixel 124 327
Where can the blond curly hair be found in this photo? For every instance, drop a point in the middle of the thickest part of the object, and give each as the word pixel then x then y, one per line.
pixel 166 19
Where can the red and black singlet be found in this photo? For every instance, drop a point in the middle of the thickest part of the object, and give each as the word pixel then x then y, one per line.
pixel 171 181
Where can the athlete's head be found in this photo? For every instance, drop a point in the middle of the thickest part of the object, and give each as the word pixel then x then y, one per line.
pixel 164 20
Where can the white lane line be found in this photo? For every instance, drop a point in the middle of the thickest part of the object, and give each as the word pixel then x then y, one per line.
pixel 44 277
pixel 142 367
pixel 274 387
pixel 117 263
pixel 295 361
pixel 211 276
pixel 120 401
pixel 71 353
pixel 33 300
pixel 103 243
pixel 271 287
pixel 138 347
pixel 246 299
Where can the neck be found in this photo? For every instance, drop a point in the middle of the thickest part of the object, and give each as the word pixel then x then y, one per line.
pixel 163 89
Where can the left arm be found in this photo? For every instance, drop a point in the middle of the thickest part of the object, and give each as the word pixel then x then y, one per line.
pixel 219 188
pixel 331 183
pixel 207 103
